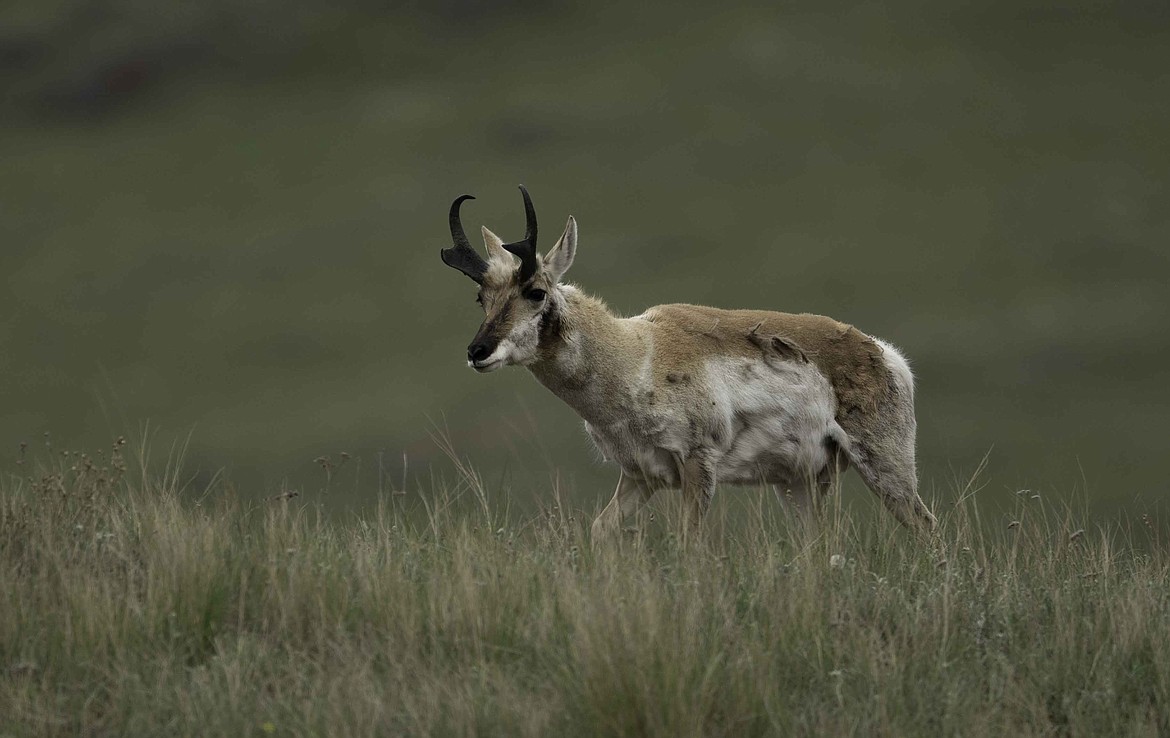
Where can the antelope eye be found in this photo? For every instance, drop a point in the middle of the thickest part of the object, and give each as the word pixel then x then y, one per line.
pixel 536 295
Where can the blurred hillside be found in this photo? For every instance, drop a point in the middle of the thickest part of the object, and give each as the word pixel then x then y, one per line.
pixel 226 217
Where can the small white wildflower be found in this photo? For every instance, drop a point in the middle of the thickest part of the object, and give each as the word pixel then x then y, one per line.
pixel 837 561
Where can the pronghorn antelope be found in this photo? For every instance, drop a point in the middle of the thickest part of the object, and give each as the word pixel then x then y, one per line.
pixel 684 396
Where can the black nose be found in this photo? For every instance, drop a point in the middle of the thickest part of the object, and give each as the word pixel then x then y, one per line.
pixel 478 351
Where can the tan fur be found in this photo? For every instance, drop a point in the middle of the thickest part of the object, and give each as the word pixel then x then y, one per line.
pixel 684 335
pixel 851 360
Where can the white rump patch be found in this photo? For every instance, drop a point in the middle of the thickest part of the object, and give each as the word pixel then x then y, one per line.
pixel 897 364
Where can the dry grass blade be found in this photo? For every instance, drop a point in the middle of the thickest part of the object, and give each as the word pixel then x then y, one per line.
pixel 131 608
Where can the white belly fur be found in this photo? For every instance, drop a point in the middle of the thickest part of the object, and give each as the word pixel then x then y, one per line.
pixel 760 421
pixel 780 415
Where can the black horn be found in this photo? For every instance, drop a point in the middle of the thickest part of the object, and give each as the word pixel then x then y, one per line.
pixel 462 256
pixel 526 249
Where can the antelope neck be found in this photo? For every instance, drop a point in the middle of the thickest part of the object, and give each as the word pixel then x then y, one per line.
pixel 595 360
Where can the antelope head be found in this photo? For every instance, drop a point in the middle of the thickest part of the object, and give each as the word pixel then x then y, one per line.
pixel 519 290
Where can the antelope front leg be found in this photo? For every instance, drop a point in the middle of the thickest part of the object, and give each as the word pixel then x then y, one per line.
pixel 698 483
pixel 629 497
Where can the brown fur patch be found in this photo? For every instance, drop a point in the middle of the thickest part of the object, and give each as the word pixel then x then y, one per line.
pixel 851 360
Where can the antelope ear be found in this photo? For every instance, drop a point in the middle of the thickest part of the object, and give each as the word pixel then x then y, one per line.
pixel 560 258
pixel 495 246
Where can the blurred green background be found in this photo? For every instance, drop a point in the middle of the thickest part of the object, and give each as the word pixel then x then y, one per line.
pixel 225 217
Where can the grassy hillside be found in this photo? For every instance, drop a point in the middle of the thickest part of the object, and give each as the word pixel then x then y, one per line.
pixel 131 608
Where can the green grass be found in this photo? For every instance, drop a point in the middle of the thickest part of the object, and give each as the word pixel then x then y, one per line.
pixel 133 607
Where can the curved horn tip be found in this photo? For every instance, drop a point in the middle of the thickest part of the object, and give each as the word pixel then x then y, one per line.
pixel 527 198
pixel 529 218
pixel 461 255
pixel 454 214
pixel 453 219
